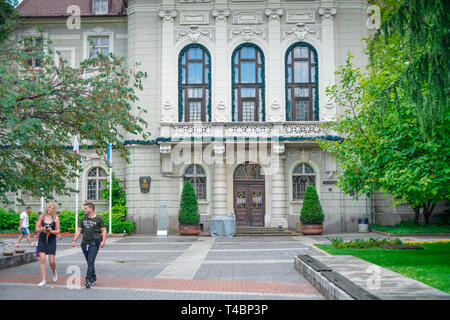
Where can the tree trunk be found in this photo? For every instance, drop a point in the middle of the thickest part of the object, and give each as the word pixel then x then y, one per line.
pixel 416 214
pixel 427 210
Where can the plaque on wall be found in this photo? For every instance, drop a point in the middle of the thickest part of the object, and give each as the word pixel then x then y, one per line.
pixel 144 183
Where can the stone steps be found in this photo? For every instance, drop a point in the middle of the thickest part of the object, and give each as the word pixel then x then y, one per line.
pixel 261 231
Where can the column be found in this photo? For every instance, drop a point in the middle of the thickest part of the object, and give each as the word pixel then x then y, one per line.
pixel 169 111
pixel 327 63
pixel 220 183
pixel 279 210
pixel 221 88
pixel 274 70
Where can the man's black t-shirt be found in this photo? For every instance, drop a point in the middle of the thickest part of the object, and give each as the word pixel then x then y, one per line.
pixel 91 228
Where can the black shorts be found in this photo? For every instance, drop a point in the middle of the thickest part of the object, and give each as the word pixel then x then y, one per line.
pixel 47 248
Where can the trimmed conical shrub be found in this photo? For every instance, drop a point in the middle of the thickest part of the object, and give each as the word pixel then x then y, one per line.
pixel 188 214
pixel 312 212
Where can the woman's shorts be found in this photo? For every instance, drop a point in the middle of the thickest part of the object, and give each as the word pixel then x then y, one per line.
pixel 25 231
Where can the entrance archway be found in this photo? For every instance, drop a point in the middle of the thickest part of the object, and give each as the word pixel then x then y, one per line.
pixel 249 195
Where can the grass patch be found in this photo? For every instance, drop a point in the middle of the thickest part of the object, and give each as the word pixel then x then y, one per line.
pixel 410 227
pixel 430 266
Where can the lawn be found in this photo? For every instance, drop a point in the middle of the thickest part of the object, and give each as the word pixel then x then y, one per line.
pixel 430 266
pixel 409 227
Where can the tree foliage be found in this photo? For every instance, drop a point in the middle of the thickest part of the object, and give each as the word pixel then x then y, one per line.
pixel 45 103
pixel 396 118
pixel 312 212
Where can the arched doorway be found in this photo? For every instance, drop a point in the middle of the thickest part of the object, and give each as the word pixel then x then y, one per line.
pixel 249 198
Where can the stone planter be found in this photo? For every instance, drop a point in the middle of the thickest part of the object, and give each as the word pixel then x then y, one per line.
pixel 312 229
pixel 188 230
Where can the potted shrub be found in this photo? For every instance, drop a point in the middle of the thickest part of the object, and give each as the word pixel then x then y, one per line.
pixel 311 215
pixel 188 216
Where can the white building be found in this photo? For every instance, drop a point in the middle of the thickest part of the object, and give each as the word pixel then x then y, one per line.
pixel 241 83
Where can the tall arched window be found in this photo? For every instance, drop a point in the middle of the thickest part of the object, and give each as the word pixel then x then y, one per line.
pixel 248 83
pixel 301 83
pixel 95 178
pixel 197 176
pixel 302 175
pixel 194 84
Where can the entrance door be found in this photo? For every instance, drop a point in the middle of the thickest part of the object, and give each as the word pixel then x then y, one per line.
pixel 249 201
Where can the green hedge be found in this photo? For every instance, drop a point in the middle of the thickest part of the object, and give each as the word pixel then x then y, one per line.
pixel 10 220
pixel 311 212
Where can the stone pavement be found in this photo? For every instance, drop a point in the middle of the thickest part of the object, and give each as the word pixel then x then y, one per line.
pixel 174 267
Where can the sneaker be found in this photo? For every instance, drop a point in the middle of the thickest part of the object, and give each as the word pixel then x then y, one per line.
pixel 93 282
pixel 55 276
pixel 88 285
pixel 42 283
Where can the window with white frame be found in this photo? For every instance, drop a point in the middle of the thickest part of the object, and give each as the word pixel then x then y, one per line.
pixel 197 176
pixel 100 6
pixel 32 45
pixel 97 45
pixel 95 183
pixel 302 175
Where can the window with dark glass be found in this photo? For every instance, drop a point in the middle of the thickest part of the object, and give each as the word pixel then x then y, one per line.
pixel 301 64
pixel 195 84
pixel 302 175
pixel 197 176
pixel 248 82
pixel 95 183
pixel 33 46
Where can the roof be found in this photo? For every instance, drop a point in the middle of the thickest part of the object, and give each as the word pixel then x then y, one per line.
pixel 58 8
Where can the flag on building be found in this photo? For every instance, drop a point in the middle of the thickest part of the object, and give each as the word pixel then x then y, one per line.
pixel 109 157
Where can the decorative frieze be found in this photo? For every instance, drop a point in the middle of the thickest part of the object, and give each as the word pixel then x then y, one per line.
pixel 274 14
pixel 247 17
pixel 193 33
pixel 221 15
pixel 194 17
pixel 302 130
pixel 303 16
pixel 327 13
pixel 168 15
pixel 248 130
pixel 191 130
pixel 301 30
pixel 248 32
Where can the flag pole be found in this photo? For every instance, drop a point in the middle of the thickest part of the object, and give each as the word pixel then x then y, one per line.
pixel 110 187
pixel 42 204
pixel 76 148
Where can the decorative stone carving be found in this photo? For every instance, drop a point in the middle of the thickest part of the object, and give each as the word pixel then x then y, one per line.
pixel 186 131
pixel 248 130
pixel 274 14
pixel 305 16
pixel 278 148
pixel 248 33
pixel 221 15
pixel 165 149
pixel 167 116
pixel 168 15
pixel 247 17
pixel 301 30
pixel 221 105
pixel 329 111
pixel 219 149
pixel 327 13
pixel 193 33
pixel 302 130
pixel 194 17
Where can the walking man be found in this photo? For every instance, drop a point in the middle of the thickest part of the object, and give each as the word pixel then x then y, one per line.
pixel 94 237
pixel 23 227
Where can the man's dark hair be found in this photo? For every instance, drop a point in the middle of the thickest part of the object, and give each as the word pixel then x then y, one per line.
pixel 90 205
pixel 28 208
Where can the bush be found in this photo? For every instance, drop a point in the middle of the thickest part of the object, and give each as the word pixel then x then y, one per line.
pixel 67 220
pixel 312 212
pixel 10 220
pixel 361 243
pixel 188 214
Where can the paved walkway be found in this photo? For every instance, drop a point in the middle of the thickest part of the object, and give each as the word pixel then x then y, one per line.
pixel 174 267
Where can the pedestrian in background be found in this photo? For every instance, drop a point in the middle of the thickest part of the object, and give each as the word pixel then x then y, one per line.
pixel 94 237
pixel 48 228
pixel 24 224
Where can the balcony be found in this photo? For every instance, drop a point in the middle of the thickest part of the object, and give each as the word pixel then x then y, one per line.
pixel 244 131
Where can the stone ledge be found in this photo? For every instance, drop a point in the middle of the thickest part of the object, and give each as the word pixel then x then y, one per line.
pixel 17 259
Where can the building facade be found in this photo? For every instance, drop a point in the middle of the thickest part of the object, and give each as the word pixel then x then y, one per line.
pixel 235 93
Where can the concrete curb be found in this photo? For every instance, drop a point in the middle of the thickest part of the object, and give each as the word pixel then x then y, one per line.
pixel 17 259
pixel 411 234
pixel 322 284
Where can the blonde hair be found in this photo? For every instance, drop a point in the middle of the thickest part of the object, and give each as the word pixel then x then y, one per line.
pixel 51 204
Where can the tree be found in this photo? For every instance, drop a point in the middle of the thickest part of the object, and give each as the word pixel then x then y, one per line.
pixel 312 212
pixel 396 119
pixel 188 214
pixel 44 104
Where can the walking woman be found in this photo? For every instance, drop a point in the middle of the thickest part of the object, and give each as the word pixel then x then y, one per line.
pixel 48 227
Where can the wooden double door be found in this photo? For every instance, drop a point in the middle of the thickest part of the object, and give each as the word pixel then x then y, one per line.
pixel 249 203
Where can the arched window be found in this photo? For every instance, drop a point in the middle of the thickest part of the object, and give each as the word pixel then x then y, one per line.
pixel 194 84
pixel 302 175
pixel 95 178
pixel 197 176
pixel 301 83
pixel 248 83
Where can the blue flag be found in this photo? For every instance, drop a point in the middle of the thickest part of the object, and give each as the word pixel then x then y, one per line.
pixel 109 157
